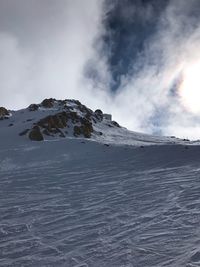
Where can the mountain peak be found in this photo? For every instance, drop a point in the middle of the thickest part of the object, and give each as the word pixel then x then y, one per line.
pixel 64 118
pixel 54 119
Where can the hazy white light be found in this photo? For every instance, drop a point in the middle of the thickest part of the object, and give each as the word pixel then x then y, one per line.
pixel 190 87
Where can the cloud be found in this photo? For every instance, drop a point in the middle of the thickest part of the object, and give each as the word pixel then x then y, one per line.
pixel 57 49
pixel 149 97
pixel 45 46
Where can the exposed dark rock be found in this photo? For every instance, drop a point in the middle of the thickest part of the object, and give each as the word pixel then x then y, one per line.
pixel 87 112
pixel 46 132
pixel 98 133
pixel 72 112
pixel 77 102
pixel 68 108
pixel 62 134
pixel 74 117
pixel 62 102
pixel 48 103
pixel 33 107
pixel 4 113
pixel 54 122
pixel 85 129
pixel 106 145
pixel 35 134
pixel 94 120
pixel 98 114
pixel 116 124
pixel 24 132
pixel 77 130
pixel 11 124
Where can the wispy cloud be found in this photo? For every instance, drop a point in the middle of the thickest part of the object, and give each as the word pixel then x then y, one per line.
pixel 55 49
pixel 44 48
pixel 149 97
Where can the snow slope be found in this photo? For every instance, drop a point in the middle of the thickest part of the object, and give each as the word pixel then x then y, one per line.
pixel 77 202
pixel 110 134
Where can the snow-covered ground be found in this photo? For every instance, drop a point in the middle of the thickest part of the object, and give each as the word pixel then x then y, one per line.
pixel 78 202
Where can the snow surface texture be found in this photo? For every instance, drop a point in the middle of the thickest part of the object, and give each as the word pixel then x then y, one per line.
pixel 77 202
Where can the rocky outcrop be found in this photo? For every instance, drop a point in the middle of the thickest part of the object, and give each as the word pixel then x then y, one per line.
pixel 114 123
pixel 4 113
pixel 24 132
pixel 53 123
pixel 77 131
pixel 35 134
pixel 84 129
pixel 66 117
pixel 48 103
pixel 58 120
pixel 33 107
pixel 98 114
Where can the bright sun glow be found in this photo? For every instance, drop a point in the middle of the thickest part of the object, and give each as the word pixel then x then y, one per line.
pixel 190 87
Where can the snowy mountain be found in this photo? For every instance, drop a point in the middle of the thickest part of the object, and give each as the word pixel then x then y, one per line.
pixel 77 189
pixel 56 119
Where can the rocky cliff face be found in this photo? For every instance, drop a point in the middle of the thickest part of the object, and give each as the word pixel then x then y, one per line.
pixel 4 113
pixel 61 118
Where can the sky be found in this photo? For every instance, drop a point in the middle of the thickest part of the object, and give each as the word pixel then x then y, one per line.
pixel 136 59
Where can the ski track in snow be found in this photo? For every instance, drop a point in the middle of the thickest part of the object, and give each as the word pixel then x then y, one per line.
pixel 111 212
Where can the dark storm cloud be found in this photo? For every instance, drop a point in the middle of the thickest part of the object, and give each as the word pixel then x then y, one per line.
pixel 129 25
